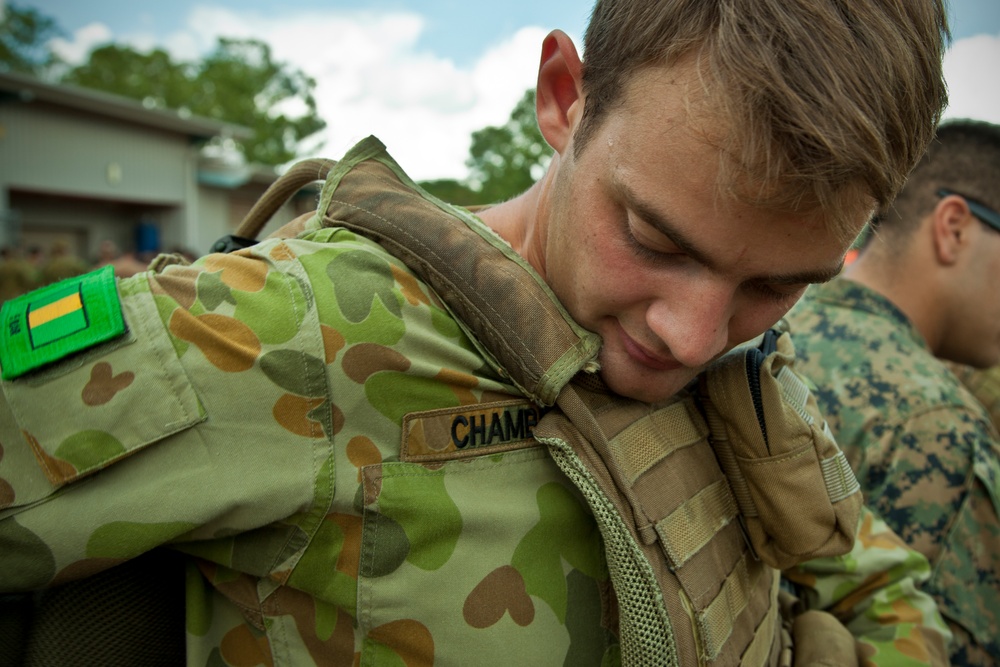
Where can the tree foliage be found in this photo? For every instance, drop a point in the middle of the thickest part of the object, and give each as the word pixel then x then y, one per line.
pixel 454 192
pixel 505 161
pixel 153 77
pixel 238 82
pixel 24 37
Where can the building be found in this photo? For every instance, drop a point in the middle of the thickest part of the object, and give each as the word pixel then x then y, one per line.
pixel 78 167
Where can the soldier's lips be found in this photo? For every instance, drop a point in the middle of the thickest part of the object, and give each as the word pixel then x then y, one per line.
pixel 644 357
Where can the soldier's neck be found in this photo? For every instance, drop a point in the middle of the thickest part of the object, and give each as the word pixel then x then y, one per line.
pixel 521 222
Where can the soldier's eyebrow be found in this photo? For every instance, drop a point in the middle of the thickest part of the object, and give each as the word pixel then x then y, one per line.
pixel 661 223
pixel 811 277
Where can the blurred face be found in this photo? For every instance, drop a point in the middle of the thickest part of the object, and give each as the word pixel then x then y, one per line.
pixel 641 249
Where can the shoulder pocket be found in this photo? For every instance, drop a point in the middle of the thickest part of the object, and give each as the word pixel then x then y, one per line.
pixel 96 407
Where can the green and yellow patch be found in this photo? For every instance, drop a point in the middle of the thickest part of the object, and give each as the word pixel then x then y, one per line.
pixel 56 316
pixel 56 321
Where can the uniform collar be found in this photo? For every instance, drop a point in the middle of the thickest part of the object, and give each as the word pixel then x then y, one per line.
pixel 851 294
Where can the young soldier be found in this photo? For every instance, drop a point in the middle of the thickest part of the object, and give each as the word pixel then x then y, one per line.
pixel 357 454
pixel 924 449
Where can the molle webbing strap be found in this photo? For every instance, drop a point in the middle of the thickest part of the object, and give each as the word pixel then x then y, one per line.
pixel 687 529
pixel 837 474
pixel 839 478
pixel 641 446
pixel 671 539
pixel 716 621
pixel 727 459
pixel 762 646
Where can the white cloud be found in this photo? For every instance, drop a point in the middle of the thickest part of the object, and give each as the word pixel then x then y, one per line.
pixel 970 69
pixel 84 40
pixel 430 133
pixel 371 76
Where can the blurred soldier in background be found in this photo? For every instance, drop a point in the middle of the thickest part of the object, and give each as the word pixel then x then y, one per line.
pixel 62 263
pixel 924 449
pixel 17 275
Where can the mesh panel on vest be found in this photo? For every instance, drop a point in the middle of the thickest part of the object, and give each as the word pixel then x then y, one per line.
pixel 646 634
pixel 130 615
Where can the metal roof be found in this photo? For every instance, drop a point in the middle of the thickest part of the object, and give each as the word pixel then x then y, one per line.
pixel 27 89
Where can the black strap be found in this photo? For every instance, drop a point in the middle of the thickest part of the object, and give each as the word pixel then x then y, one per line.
pixel 231 242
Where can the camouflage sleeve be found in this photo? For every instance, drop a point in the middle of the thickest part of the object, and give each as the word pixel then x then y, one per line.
pixel 935 480
pixel 207 422
pixel 918 476
pixel 874 592
pixel 984 385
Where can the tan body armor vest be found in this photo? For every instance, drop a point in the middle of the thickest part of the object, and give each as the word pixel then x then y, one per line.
pixel 698 501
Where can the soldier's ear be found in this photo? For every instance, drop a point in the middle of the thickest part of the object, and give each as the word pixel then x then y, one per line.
pixel 952 228
pixel 559 92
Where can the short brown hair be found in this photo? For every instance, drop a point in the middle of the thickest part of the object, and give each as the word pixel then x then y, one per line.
pixel 822 99
pixel 964 157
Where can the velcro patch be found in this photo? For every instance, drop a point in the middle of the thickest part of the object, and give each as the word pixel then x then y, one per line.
pixel 56 321
pixel 469 430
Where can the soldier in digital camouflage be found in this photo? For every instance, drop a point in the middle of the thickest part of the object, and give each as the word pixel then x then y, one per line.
pixel 925 451
pixel 984 383
pixel 397 433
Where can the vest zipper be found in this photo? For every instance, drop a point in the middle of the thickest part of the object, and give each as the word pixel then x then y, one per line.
pixel 754 360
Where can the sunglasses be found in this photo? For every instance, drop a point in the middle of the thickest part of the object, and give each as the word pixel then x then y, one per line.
pixel 978 209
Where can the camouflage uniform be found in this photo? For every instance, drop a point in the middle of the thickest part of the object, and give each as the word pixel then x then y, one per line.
pixel 16 277
pixel 353 478
pixel 61 266
pixel 922 447
pixel 984 385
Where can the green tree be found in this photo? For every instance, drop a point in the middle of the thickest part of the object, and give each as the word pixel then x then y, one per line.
pixel 505 161
pixel 454 192
pixel 24 41
pixel 153 78
pixel 238 82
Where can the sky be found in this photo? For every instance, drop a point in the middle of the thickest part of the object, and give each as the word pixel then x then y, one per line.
pixel 422 75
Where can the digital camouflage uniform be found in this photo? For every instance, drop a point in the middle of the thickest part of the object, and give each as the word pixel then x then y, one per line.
pixel 353 479
pixel 984 385
pixel 923 449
